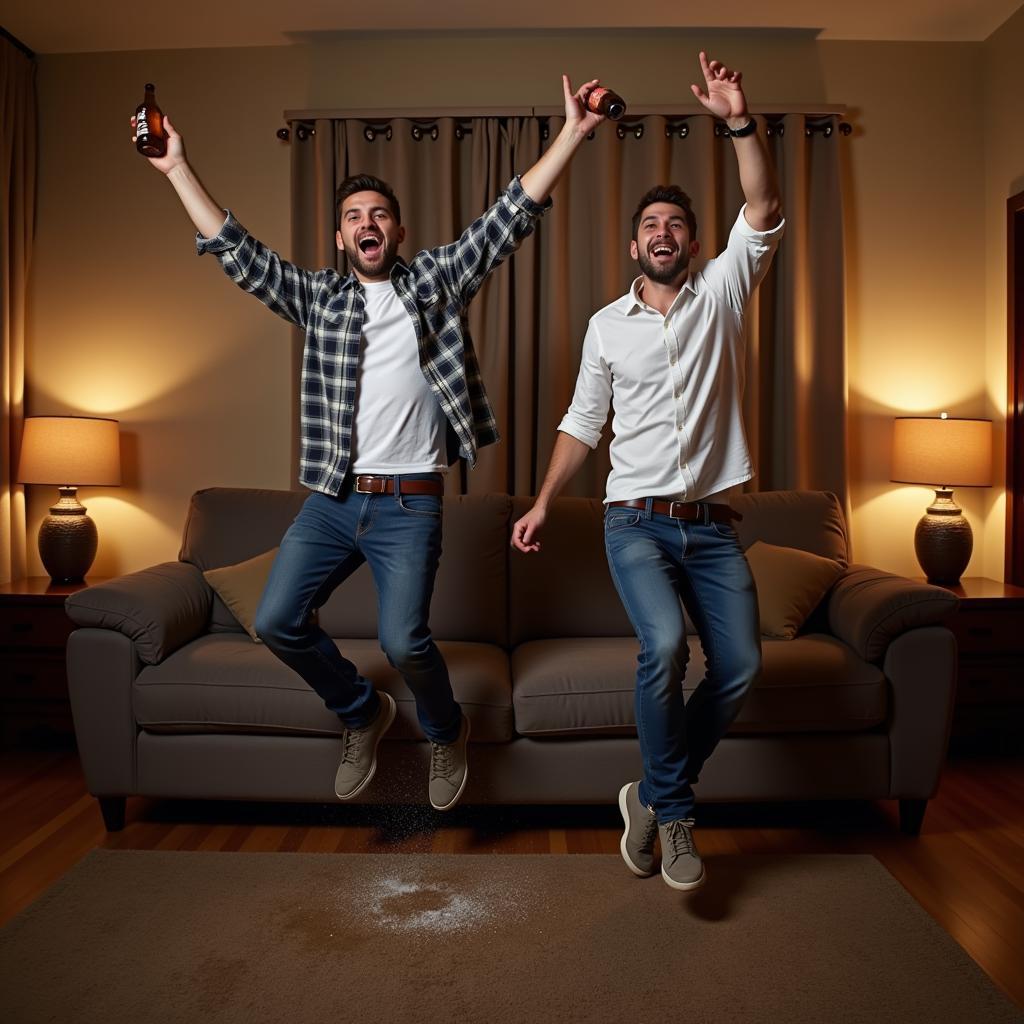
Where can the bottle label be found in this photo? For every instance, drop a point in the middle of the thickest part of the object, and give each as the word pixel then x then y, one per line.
pixel 141 122
pixel 594 98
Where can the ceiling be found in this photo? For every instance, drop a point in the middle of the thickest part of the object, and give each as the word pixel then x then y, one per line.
pixel 71 26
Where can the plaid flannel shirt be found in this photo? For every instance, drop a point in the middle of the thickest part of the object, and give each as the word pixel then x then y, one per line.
pixel 435 288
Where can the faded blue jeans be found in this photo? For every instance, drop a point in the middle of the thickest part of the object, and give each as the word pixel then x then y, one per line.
pixel 659 564
pixel 400 537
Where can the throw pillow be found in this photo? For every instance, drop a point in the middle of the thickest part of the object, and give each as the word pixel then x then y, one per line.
pixel 241 586
pixel 790 585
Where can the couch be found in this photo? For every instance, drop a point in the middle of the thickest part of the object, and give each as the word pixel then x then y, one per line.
pixel 172 698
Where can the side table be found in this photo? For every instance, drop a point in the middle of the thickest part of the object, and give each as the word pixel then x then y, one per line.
pixel 989 630
pixel 34 708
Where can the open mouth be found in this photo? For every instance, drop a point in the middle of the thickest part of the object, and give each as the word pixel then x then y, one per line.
pixel 661 249
pixel 370 245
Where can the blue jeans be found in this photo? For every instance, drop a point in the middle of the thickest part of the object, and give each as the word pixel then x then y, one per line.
pixel 400 537
pixel 656 563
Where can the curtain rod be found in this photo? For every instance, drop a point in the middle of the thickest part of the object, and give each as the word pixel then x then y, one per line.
pixel 627 126
pixel 431 113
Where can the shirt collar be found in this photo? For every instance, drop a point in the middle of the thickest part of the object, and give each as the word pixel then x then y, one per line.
pixel 634 303
pixel 399 269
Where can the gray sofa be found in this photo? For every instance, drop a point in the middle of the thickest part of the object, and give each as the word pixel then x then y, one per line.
pixel 171 698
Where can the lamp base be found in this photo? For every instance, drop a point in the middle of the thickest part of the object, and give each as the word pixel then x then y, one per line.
pixel 67 539
pixel 943 540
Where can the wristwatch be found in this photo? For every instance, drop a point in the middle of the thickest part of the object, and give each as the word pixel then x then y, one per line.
pixel 748 129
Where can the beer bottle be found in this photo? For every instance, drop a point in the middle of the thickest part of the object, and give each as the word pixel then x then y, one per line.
pixel 150 137
pixel 604 101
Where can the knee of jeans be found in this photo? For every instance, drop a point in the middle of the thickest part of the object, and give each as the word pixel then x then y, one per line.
pixel 743 669
pixel 273 627
pixel 669 650
pixel 403 651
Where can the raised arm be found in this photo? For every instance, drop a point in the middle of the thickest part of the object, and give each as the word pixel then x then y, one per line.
pixel 207 216
pixel 726 100
pixel 540 180
pixel 284 288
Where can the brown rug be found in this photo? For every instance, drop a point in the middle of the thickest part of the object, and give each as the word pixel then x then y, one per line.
pixel 289 937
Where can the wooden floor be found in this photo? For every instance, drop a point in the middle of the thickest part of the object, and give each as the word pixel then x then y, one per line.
pixel 966 868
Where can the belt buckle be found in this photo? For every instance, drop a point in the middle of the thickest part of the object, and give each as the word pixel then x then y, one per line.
pixel 672 509
pixel 365 485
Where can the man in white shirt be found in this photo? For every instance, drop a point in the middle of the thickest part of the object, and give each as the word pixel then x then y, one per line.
pixel 668 356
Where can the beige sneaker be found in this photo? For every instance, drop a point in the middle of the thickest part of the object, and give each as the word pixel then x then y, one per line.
pixel 359 751
pixel 449 769
pixel 637 842
pixel 681 866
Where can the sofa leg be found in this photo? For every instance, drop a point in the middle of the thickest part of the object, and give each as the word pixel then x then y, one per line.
pixel 912 816
pixel 112 808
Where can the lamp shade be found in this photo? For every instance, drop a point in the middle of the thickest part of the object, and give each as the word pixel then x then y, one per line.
pixel 942 451
pixel 70 451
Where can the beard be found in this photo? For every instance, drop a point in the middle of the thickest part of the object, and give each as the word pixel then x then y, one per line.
pixel 376 266
pixel 664 273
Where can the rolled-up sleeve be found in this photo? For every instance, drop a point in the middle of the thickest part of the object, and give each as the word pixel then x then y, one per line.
pixel 588 411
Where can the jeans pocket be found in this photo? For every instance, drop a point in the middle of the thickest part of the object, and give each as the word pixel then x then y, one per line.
pixel 421 504
pixel 725 529
pixel 618 519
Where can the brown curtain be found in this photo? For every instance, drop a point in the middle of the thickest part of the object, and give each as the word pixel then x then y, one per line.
pixel 17 214
pixel 529 320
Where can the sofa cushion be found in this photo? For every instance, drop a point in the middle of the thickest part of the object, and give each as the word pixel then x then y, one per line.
pixel 790 585
pixel 225 683
pixel 241 586
pixel 810 520
pixel 813 683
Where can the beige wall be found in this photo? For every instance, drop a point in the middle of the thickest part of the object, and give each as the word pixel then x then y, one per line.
pixel 1004 177
pixel 135 326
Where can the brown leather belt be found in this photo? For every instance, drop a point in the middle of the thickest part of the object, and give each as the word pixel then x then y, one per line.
pixel 366 484
pixel 691 511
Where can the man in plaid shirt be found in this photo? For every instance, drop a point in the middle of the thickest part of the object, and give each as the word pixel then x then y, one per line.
pixel 391 395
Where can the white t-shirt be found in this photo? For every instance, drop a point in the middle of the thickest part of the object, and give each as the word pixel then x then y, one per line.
pixel 399 425
pixel 675 382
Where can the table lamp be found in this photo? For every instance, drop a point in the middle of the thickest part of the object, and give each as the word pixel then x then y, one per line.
pixel 943 453
pixel 58 450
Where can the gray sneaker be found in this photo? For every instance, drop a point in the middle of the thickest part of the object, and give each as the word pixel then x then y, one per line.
pixel 359 751
pixel 449 770
pixel 681 866
pixel 637 843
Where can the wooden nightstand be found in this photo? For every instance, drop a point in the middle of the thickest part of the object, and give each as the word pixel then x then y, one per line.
pixel 989 630
pixel 34 708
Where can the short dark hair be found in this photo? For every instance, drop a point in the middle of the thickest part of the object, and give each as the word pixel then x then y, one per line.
pixel 666 194
pixel 367 183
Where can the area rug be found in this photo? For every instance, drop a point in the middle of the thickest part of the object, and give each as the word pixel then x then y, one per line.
pixel 171 936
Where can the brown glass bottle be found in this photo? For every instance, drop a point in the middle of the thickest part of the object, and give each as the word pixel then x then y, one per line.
pixel 604 101
pixel 150 137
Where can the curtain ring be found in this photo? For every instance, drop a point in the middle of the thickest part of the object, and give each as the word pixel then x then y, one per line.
pixel 418 132
pixel 774 128
pixel 303 132
pixel 370 133
pixel 682 130
pixel 637 131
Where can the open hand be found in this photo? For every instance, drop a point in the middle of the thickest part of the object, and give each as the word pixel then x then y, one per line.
pixel 175 148
pixel 724 96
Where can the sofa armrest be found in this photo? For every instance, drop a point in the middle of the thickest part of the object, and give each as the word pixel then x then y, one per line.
pixel 160 609
pixel 868 608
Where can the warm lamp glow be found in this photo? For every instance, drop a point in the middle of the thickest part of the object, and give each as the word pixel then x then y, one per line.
pixel 70 450
pixel 941 451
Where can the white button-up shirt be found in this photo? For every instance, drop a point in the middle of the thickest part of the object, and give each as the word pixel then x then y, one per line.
pixel 675 381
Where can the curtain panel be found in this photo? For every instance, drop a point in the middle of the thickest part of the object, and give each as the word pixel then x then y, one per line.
pixel 17 213
pixel 529 320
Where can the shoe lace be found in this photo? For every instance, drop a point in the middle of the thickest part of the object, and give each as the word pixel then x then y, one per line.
pixel 650 829
pixel 442 761
pixel 352 745
pixel 680 837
